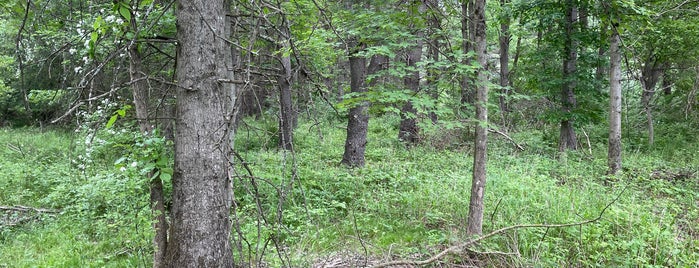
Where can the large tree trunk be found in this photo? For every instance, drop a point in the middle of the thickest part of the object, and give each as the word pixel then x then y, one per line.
pixel 568 139
pixel 614 149
pixel 140 91
pixel 200 231
pixel 358 121
pixel 408 130
pixel 475 208
pixel 504 63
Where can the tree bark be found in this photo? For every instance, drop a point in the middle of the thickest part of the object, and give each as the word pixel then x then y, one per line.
pixel 140 91
pixel 467 39
pixel 287 116
pixel 475 209
pixel 408 130
pixel 650 73
pixel 200 231
pixel 614 146
pixel 358 121
pixel 568 139
pixel 504 41
pixel 434 24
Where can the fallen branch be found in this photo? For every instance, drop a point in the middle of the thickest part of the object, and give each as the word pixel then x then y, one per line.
pixel 459 247
pixel 27 209
pixel 519 147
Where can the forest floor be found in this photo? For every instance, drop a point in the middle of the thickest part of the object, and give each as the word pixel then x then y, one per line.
pixel 304 209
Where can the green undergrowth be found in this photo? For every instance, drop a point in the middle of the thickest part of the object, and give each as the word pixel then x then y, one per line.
pixel 406 203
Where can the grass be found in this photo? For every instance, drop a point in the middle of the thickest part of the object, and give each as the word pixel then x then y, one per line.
pixel 406 203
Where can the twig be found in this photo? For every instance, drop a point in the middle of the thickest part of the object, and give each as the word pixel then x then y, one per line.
pixel 26 209
pixel 519 147
pixel 456 248
pixel 589 146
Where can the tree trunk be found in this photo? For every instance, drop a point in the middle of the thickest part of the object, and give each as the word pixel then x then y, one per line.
pixel 409 130
pixel 139 89
pixel 200 231
pixel 434 23
pixel 287 116
pixel 614 149
pixel 475 209
pixel 358 120
pixel 650 73
pixel 467 83
pixel 504 41
pixel 568 139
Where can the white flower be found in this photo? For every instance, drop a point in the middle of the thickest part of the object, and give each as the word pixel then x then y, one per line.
pixel 122 169
pixel 110 18
pixel 72 51
pixel 78 69
pixel 134 164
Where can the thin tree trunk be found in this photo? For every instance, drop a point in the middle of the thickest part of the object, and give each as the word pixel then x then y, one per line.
pixel 650 73
pixel 614 148
pixel 504 41
pixel 476 205
pixel 287 116
pixel 200 231
pixel 568 139
pixel 434 24
pixel 467 83
pixel 139 89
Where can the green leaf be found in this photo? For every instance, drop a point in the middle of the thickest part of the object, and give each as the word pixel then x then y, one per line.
pixel 125 12
pixel 112 120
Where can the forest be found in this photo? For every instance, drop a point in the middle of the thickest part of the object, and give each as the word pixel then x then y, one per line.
pixel 367 133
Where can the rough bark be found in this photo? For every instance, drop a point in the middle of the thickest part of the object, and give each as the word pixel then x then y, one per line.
pixel 475 209
pixel 467 39
pixel 568 139
pixel 650 73
pixel 614 146
pixel 408 130
pixel 287 116
pixel 358 118
pixel 434 23
pixel 200 230
pixel 140 92
pixel 504 41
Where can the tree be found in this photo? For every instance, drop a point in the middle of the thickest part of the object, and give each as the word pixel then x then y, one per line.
pixel 504 41
pixel 409 130
pixel 199 235
pixel 139 89
pixel 614 148
pixel 475 209
pixel 568 139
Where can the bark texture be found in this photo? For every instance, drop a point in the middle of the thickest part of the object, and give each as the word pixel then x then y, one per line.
pixel 199 235
pixel 475 209
pixel 358 121
pixel 467 39
pixel 614 146
pixel 650 74
pixel 504 41
pixel 409 131
pixel 568 140
pixel 287 116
